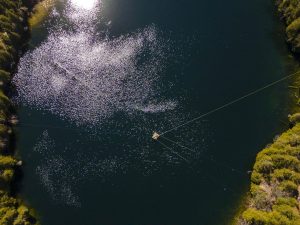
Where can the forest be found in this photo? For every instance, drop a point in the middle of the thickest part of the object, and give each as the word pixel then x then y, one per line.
pixel 14 33
pixel 275 180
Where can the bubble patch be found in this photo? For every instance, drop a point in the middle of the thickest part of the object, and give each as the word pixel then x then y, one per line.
pixel 61 175
pixel 87 81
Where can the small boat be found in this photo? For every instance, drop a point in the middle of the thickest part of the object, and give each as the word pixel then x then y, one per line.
pixel 155 136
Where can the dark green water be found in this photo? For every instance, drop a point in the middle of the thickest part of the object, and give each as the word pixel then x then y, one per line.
pixel 113 173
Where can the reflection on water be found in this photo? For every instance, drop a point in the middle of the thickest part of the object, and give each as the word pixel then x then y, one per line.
pixel 84 4
pixel 87 82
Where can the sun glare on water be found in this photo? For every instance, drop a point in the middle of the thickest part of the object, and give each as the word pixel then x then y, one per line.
pixel 84 4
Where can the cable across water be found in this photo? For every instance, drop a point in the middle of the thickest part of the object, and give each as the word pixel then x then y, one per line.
pixel 231 103
pixel 208 158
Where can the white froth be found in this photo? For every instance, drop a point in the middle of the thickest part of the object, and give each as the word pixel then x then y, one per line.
pixel 87 81
pixel 58 83
pixel 157 108
pixel 61 175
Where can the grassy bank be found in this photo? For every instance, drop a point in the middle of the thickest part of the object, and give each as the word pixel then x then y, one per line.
pixel 14 32
pixel 274 197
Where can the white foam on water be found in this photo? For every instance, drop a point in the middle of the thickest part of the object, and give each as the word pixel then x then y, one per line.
pixel 87 81
pixel 54 172
pixel 60 175
pixel 157 108
pixel 54 177
pixel 58 83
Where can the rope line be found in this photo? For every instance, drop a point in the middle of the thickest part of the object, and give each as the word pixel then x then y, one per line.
pixel 231 102
pixel 225 187
pixel 211 159
pixel 173 151
pixel 180 145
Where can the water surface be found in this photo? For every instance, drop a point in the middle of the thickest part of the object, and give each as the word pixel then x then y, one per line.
pixel 100 77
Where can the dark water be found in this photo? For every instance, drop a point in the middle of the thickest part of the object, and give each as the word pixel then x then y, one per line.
pixel 209 52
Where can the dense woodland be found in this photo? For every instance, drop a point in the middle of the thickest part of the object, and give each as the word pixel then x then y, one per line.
pixel 290 13
pixel 275 180
pixel 14 32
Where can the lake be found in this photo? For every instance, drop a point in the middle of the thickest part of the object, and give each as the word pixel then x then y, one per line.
pixel 101 77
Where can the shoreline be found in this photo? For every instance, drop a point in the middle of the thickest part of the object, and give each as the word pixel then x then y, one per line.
pixel 274 195
pixel 40 11
pixel 14 35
